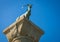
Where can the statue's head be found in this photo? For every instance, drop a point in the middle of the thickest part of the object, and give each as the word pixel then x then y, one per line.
pixel 29 5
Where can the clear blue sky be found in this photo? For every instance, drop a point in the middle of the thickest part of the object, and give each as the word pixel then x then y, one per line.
pixel 45 14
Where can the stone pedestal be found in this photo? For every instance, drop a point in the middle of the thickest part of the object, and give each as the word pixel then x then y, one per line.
pixel 23 30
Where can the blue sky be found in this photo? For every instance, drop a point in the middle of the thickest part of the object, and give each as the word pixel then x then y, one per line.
pixel 45 14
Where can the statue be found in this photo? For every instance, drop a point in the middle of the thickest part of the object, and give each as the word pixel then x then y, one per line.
pixel 27 13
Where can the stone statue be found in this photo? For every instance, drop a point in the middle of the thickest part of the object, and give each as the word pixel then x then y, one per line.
pixel 27 13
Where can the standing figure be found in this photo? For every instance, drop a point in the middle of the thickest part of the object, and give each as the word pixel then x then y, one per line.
pixel 27 13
